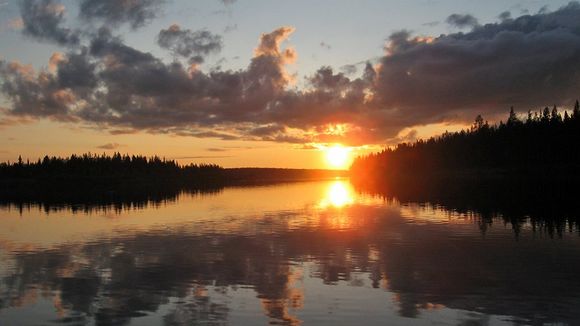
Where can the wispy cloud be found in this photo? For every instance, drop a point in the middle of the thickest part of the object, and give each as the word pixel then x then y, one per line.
pixel 462 21
pixel 325 45
pixel 431 23
pixel 45 20
pixel 136 13
pixel 110 146
pixel 194 45
pixel 200 157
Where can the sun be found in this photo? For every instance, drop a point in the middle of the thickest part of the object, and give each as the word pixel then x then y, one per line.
pixel 337 156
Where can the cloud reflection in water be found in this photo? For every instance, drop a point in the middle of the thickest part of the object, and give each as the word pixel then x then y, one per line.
pixel 331 256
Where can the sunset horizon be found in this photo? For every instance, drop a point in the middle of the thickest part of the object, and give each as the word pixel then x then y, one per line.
pixel 297 163
pixel 143 79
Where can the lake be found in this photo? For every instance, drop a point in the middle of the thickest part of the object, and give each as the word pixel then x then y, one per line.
pixel 311 253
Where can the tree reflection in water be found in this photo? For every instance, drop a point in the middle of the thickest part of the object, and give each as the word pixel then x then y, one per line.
pixel 326 260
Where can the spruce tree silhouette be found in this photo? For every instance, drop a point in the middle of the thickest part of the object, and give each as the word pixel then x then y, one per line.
pixel 545 142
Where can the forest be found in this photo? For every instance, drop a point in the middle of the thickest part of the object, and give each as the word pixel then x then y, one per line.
pixel 114 166
pixel 545 144
pixel 518 168
pixel 102 178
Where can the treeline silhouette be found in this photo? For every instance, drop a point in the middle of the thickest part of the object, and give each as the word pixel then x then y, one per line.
pixel 102 180
pixel 113 179
pixel 115 166
pixel 517 169
pixel 544 144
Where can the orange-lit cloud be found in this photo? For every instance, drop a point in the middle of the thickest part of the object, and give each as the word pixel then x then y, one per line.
pixel 110 146
pixel 55 59
pixel 418 81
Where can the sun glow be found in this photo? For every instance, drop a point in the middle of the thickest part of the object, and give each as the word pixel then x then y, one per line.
pixel 338 156
pixel 338 194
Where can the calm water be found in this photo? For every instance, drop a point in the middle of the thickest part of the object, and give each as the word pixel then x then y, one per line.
pixel 303 253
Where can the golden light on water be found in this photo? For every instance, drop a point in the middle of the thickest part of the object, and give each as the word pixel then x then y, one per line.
pixel 338 194
pixel 338 156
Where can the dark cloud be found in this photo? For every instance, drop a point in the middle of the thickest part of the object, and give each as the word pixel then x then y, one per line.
pixel 505 15
pixel 349 69
pixel 35 94
pixel 462 21
pixel 194 45
pixel 76 72
pixel 136 13
pixel 44 19
pixel 528 61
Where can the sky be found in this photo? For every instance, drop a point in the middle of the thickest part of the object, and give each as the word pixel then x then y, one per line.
pixel 272 83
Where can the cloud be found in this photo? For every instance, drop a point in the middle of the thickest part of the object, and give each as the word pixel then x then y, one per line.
pixel 527 61
pixel 405 136
pixel 431 23
pixel 544 10
pixel 200 157
pixel 110 146
pixel 270 43
pixel 44 19
pixel 349 69
pixel 309 147
pixel 505 15
pixel 194 45
pixel 462 21
pixel 230 28
pixel 55 59
pixel 136 13
pixel 35 94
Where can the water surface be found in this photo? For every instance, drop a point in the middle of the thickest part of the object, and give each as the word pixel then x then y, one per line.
pixel 302 253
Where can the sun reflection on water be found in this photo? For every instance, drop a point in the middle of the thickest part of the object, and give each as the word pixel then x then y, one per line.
pixel 338 194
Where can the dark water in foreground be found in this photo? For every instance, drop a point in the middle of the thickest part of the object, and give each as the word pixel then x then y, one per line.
pixel 303 253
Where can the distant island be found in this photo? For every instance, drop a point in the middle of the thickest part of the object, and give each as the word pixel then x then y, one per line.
pixel 97 177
